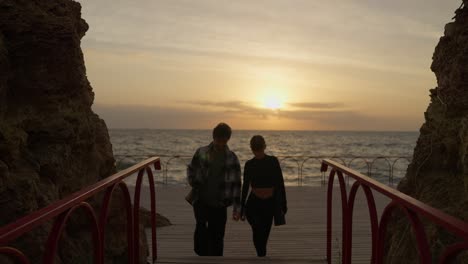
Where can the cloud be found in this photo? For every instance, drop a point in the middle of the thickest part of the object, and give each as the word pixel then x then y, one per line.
pixel 374 36
pixel 313 110
pixel 134 116
pixel 238 113
pixel 300 58
pixel 317 105
pixel 234 108
pixel 304 111
pixel 317 114
pixel 237 105
pixel 352 120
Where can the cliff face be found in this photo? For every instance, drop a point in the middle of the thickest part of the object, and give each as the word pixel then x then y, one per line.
pixel 51 143
pixel 438 174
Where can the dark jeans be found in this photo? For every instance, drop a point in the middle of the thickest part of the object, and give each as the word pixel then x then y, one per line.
pixel 209 231
pixel 259 214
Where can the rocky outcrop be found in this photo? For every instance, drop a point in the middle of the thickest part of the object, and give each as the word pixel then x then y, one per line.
pixel 438 174
pixel 145 216
pixel 51 143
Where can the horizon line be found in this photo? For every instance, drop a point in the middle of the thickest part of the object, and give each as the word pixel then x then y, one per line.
pixel 288 130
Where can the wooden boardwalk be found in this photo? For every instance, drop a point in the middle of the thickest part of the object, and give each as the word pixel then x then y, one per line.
pixel 301 240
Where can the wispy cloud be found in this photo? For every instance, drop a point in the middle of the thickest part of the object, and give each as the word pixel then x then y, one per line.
pixel 317 105
pixel 320 115
pixel 161 51
pixel 306 111
pixel 132 116
pixel 351 33
pixel 234 108
pixel 236 105
pixel 299 110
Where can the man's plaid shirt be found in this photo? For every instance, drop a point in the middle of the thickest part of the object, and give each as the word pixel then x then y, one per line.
pixel 197 174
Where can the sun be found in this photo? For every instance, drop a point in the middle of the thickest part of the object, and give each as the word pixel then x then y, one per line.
pixel 272 102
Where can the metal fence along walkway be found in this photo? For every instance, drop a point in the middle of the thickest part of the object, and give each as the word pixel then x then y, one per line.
pixel 299 167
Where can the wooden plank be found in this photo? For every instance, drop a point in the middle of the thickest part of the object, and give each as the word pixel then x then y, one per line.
pixel 301 240
pixel 239 260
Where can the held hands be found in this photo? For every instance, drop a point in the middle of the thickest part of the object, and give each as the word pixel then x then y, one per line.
pixel 235 216
pixel 242 216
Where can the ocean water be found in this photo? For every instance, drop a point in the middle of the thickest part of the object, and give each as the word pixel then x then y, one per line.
pixel 299 152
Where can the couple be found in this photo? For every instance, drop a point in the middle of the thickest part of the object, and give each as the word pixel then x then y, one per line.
pixel 215 176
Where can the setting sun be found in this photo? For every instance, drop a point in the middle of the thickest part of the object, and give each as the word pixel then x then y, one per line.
pixel 272 102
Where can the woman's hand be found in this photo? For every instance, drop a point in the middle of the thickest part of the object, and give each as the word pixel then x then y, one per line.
pixel 235 216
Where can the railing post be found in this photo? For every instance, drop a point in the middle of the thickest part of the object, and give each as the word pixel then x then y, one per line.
pixel 329 214
pixel 153 213
pixel 60 211
pixel 15 254
pixel 136 215
pixel 412 208
pixel 57 230
pixel 345 217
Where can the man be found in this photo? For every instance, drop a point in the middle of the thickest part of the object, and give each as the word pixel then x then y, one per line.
pixel 215 176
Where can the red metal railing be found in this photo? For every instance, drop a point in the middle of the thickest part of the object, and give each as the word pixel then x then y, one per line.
pixel 60 211
pixel 411 207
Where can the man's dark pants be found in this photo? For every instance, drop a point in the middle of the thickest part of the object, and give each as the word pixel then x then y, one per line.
pixel 209 231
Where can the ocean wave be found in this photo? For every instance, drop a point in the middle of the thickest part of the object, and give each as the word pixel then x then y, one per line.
pixel 295 149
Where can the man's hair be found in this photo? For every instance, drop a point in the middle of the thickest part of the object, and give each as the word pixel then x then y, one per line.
pixel 257 142
pixel 222 130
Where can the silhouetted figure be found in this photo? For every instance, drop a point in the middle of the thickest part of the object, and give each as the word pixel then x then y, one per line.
pixel 215 176
pixel 267 198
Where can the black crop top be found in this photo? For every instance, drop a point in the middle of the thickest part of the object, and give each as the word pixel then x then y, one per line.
pixel 263 173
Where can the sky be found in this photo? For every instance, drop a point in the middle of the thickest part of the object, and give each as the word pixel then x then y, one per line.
pixel 264 64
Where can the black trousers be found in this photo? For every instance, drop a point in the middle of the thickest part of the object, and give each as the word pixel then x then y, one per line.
pixel 259 214
pixel 208 239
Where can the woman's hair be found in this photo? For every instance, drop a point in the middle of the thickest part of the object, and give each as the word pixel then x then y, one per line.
pixel 222 130
pixel 257 142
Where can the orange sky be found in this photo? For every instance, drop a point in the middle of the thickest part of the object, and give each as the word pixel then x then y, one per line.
pixel 266 64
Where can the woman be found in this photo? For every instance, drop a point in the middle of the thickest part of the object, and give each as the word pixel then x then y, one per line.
pixel 267 198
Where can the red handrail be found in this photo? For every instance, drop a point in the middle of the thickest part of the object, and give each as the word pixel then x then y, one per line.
pixel 411 207
pixel 60 211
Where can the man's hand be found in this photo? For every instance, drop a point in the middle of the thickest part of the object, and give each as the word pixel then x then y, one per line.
pixel 235 216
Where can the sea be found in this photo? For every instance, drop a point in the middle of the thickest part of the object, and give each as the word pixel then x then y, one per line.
pixel 383 156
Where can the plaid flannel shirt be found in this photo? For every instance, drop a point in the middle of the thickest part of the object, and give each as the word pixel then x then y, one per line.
pixel 197 174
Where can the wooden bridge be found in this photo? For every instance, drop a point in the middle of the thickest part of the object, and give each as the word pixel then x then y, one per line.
pixel 301 240
pixel 336 224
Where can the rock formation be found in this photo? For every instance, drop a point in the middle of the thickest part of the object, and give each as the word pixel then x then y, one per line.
pixel 51 143
pixel 145 219
pixel 438 174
